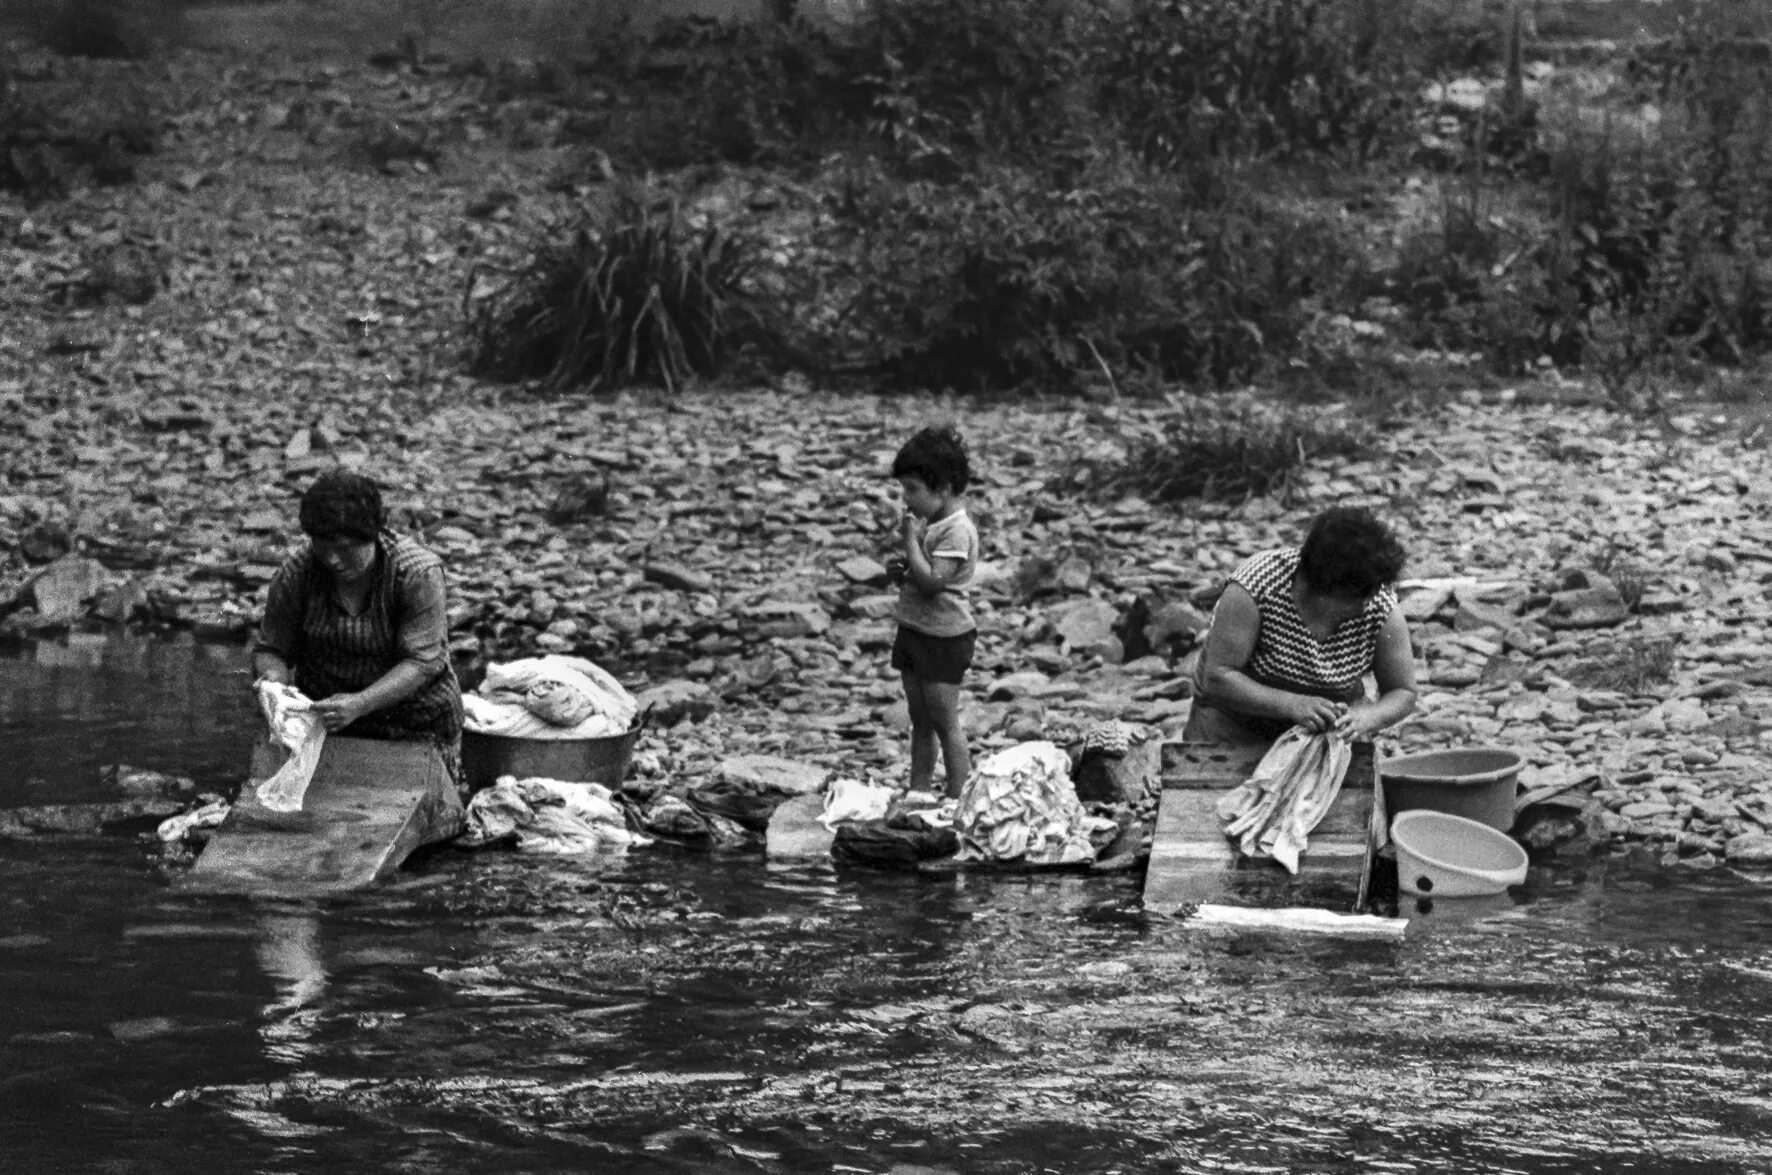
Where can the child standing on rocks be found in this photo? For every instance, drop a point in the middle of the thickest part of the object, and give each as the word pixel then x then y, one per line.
pixel 936 632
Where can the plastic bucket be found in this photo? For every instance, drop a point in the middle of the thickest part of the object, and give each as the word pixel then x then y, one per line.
pixel 1451 857
pixel 485 757
pixel 1479 783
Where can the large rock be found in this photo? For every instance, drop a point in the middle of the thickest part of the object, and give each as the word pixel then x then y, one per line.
pixel 62 589
pixel 1598 606
pixel 1752 849
pixel 772 773
pixel 678 578
pixel 795 833
pixel 675 701
pixel 1155 625
pixel 1088 627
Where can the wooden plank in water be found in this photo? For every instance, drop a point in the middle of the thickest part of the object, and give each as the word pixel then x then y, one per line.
pixel 1192 861
pixel 369 805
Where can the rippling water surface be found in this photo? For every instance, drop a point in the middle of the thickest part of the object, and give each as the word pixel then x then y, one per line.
pixel 671 1012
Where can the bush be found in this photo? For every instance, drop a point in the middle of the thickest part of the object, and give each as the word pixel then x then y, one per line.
pixel 1000 279
pixel 57 137
pixel 1235 450
pixel 635 295
pixel 101 28
pixel 1203 79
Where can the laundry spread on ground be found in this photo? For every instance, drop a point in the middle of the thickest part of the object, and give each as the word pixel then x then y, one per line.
pixel 1273 813
pixel 298 730
pixel 1020 804
pixel 549 816
pixel 550 697
pixel 849 799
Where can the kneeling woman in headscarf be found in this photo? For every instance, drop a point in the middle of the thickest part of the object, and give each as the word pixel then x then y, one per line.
pixel 357 622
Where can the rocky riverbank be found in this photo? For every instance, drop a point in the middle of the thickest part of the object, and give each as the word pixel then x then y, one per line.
pixel 1588 588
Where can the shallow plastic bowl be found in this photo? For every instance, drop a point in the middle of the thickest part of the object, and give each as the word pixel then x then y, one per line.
pixel 1446 856
pixel 1479 783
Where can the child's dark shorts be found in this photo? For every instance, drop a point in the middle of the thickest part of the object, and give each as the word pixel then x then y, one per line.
pixel 933 658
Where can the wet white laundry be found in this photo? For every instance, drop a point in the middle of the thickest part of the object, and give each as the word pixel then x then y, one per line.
pixel 1020 804
pixel 550 697
pixel 850 799
pixel 1303 919
pixel 1273 812
pixel 297 729
pixel 549 816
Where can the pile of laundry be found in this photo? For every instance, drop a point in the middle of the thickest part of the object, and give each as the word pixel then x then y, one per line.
pixel 1020 805
pixel 550 697
pixel 548 816
pixel 1273 812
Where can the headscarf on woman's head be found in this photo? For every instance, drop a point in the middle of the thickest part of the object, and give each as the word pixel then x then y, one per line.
pixel 343 504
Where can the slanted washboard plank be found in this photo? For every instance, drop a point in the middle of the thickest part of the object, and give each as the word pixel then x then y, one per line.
pixel 1192 861
pixel 369 805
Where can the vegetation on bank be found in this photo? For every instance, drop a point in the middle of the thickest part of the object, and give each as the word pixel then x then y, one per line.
pixel 1111 194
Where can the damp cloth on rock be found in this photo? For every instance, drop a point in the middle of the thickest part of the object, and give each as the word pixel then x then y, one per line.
pixel 548 816
pixel 1274 811
pixel 1020 804
pixel 298 730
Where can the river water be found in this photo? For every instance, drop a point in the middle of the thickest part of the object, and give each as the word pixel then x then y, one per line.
pixel 672 1012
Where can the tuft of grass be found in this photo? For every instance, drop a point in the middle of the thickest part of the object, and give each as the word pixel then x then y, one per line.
pixel 1628 575
pixel 60 136
pixel 636 295
pixel 1231 452
pixel 116 29
pixel 1636 666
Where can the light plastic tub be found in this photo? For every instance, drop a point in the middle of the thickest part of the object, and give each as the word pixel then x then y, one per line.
pixel 1445 856
pixel 1478 783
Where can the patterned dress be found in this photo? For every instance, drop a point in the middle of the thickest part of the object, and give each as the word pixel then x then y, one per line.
pixel 332 650
pixel 1287 655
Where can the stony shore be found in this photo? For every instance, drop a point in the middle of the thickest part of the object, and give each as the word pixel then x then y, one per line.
pixel 1587 587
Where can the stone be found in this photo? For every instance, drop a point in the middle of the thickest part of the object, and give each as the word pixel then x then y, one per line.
pixel 772 773
pixel 1752 849
pixel 863 570
pixel 1684 715
pixel 674 701
pixel 62 589
pixel 1646 809
pixel 1087 626
pixel 1599 606
pixel 1026 683
pixel 677 577
pixel 789 618
pixel 878 607
pixel 794 830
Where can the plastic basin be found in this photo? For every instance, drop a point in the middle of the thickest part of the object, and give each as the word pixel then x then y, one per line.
pixel 1446 856
pixel 1479 783
pixel 485 757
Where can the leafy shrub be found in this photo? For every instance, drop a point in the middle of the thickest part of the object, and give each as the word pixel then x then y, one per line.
pixel 1193 79
pixel 101 28
pixel 1000 279
pixel 1229 450
pixel 636 294
pixel 57 137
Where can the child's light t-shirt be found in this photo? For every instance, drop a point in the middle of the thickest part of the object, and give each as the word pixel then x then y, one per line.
pixel 945 613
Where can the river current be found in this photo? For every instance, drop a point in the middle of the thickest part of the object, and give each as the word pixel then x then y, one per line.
pixel 677 1012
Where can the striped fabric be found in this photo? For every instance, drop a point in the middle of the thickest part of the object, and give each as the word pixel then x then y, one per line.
pixel 332 651
pixel 1287 655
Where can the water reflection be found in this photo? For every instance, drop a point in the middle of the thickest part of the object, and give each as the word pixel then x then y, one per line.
pixel 677 1012
pixel 289 953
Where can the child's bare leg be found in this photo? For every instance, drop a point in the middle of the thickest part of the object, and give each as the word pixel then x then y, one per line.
pixel 943 702
pixel 923 733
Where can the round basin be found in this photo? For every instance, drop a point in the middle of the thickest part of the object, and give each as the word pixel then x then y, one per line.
pixel 1446 856
pixel 1475 782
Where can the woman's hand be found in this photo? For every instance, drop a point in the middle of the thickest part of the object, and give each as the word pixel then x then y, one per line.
pixel 1360 723
pixel 1317 715
pixel 340 710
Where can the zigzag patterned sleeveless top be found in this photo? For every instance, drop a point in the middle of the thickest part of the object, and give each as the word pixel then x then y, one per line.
pixel 1287 655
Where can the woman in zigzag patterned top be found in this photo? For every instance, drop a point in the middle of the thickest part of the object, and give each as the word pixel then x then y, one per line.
pixel 1296 632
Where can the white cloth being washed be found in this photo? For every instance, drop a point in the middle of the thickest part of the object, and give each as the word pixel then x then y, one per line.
pixel 551 697
pixel 1273 812
pixel 297 729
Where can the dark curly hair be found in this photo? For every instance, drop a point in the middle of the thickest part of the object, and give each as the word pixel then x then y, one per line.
pixel 937 455
pixel 1349 551
pixel 342 504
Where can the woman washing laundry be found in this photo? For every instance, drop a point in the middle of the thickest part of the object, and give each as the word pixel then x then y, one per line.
pixel 1296 632
pixel 356 620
